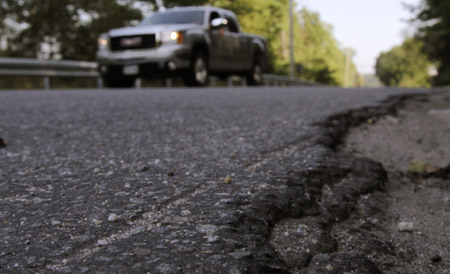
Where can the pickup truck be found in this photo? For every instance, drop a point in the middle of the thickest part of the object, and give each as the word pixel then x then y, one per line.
pixel 191 42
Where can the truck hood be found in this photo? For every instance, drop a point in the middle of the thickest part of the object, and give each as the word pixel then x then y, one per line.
pixel 150 29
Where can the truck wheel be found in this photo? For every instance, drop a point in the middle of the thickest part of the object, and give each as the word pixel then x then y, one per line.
pixel 118 82
pixel 197 74
pixel 255 75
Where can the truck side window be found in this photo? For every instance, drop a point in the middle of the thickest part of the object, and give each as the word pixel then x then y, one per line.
pixel 213 16
pixel 232 26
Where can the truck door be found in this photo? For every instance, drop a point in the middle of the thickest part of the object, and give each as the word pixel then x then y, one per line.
pixel 220 48
pixel 238 45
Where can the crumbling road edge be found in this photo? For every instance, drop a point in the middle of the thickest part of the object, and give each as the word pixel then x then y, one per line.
pixel 323 192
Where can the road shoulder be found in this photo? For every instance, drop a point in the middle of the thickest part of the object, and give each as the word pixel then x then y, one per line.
pixel 407 226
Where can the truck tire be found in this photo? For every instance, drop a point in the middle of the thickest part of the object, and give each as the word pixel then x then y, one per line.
pixel 255 75
pixel 197 74
pixel 119 82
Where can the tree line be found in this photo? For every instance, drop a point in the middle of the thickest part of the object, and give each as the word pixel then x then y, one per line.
pixel 68 29
pixel 424 59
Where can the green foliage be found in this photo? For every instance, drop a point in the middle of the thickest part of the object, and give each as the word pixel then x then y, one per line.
pixel 315 49
pixel 101 19
pixel 318 51
pixel 435 14
pixel 320 72
pixel 63 28
pixel 405 66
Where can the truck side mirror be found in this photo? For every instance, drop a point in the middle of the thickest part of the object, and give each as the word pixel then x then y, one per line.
pixel 219 23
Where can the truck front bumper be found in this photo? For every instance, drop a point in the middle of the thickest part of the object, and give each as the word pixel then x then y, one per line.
pixel 146 63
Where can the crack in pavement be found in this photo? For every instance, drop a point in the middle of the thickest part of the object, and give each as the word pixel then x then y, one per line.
pixel 301 240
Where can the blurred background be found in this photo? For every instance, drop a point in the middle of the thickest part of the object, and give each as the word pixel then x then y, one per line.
pixel 68 30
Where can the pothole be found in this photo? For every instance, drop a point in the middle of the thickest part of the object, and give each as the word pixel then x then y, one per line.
pixel 415 149
pixel 309 244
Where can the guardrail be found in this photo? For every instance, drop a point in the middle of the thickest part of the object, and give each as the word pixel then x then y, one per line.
pixel 277 80
pixel 50 68
pixel 47 69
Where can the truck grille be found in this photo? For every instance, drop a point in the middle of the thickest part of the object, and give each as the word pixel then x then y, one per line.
pixel 133 42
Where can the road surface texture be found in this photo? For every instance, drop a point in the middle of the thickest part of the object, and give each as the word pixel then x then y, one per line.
pixel 185 180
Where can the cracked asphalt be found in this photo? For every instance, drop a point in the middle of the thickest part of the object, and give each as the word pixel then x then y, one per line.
pixel 172 181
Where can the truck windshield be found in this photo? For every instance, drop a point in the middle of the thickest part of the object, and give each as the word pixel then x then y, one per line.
pixel 174 17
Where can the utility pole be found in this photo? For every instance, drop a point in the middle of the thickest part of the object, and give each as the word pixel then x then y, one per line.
pixel 291 39
pixel 348 56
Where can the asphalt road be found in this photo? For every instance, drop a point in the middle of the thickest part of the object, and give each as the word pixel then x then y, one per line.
pixel 166 181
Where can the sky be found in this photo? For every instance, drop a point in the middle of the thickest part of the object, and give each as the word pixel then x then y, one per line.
pixel 367 26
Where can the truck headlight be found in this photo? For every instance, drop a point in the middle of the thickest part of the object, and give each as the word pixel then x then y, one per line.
pixel 174 37
pixel 103 41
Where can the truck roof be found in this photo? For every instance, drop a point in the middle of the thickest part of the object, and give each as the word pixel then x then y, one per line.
pixel 204 8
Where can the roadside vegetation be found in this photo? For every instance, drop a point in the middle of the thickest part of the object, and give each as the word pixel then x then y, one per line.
pixel 422 60
pixel 405 65
pixel 68 29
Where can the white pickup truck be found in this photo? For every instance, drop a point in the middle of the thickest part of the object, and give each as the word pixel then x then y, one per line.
pixel 191 42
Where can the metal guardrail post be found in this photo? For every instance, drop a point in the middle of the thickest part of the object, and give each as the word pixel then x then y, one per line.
pixel 169 82
pixel 212 81
pixel 46 82
pixel 138 83
pixel 234 78
pixel 99 82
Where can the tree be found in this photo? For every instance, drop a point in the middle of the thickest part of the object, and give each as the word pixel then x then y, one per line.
pixel 319 51
pixel 405 65
pixel 320 72
pixel 435 33
pixel 81 43
pixel 54 29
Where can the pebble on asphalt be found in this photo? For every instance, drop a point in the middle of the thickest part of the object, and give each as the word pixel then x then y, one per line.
pixel 102 242
pixel 55 223
pixel 227 179
pixel 2 143
pixel 97 222
pixel 405 227
pixel 113 218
